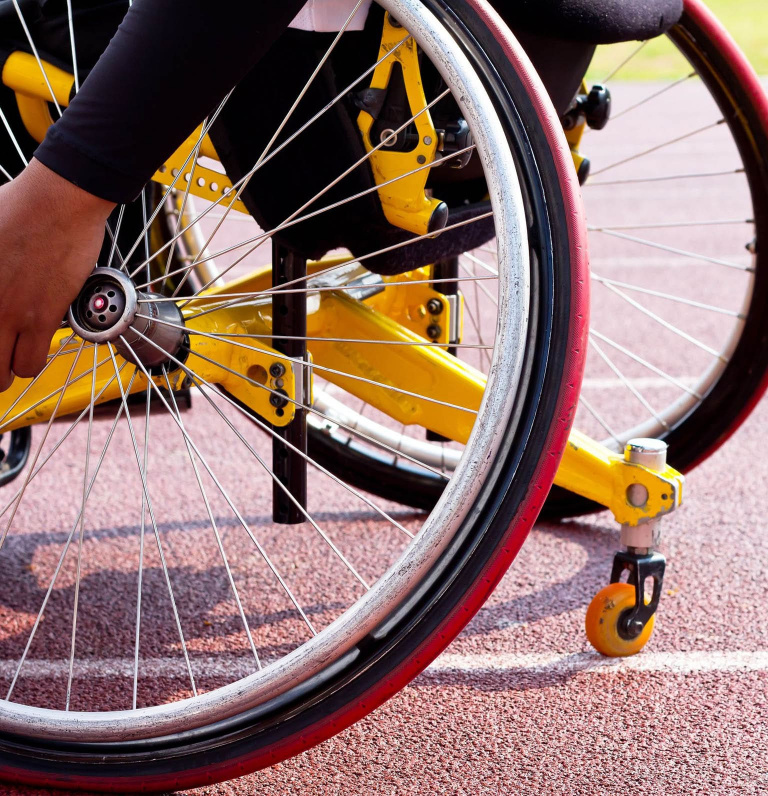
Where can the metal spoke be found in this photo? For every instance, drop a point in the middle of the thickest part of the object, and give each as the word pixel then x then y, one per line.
pixel 294 220
pixel 653 96
pixel 39 376
pixel 265 427
pixel 364 159
pixel 73 48
pixel 239 185
pixel 189 179
pixel 15 143
pixel 295 217
pixel 474 318
pixel 82 528
pixel 212 520
pixel 665 178
pixel 169 190
pixel 646 364
pixel 237 514
pixel 61 441
pixel 625 62
pixel 666 324
pixel 656 148
pixel 247 296
pixel 63 554
pixel 588 406
pixel 40 447
pixel 627 383
pixel 672 250
pixel 477 261
pixel 668 296
pixel 59 390
pixel 114 237
pixel 674 224
pixel 151 511
pixel 287 117
pixel 315 411
pixel 37 55
pixel 365 257
pixel 142 534
pixel 360 341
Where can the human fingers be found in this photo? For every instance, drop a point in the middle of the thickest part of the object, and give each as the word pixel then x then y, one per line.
pixel 30 352
pixel 7 343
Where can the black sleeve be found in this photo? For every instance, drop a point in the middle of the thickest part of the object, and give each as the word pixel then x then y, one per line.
pixel 169 64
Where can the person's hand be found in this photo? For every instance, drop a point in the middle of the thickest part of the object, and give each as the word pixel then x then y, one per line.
pixel 51 233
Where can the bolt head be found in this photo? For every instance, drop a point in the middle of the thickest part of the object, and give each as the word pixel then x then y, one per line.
pixel 276 370
pixel 435 306
pixel 434 331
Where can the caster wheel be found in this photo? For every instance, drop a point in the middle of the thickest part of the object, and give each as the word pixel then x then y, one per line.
pixel 603 617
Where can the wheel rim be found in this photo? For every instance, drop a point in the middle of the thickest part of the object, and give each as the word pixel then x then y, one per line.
pixel 391 588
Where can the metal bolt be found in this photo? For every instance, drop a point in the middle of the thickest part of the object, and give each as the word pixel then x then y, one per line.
pixel 388 137
pixel 434 331
pixel 276 400
pixel 421 160
pixel 427 140
pixel 651 453
pixel 276 370
pixel 634 628
pixel 435 306
pixel 393 22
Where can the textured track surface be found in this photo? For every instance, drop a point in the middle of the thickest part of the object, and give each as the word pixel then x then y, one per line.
pixel 519 704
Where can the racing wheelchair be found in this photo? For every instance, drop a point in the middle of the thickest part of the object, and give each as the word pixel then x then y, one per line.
pixel 361 285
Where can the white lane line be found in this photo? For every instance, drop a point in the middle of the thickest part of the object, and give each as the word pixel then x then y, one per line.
pixel 588 662
pixel 592 663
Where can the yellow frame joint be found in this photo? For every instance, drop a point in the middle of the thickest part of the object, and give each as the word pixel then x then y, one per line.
pixel 597 473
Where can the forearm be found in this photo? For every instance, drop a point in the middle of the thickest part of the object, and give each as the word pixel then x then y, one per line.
pixel 169 64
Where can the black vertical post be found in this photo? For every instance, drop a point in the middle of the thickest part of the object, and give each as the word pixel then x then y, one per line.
pixel 289 319
pixel 445 269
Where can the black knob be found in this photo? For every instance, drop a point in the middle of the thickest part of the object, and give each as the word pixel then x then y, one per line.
pixel 596 107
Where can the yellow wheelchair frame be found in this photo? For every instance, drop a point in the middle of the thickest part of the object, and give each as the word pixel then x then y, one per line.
pixel 445 393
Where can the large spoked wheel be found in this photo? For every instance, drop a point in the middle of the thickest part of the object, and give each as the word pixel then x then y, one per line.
pixel 183 637
pixel 677 204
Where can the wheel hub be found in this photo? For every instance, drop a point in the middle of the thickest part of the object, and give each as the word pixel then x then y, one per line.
pixel 109 309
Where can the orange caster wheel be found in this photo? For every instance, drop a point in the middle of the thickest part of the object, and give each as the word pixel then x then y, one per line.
pixel 606 624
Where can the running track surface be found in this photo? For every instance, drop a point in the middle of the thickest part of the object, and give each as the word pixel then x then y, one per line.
pixel 519 704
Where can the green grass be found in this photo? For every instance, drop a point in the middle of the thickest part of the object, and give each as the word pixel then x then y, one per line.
pixel 746 20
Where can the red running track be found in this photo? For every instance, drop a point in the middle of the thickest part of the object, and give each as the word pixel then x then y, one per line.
pixel 520 705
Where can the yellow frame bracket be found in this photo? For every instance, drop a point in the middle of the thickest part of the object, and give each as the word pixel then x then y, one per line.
pixel 405 202
pixel 23 75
